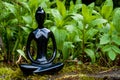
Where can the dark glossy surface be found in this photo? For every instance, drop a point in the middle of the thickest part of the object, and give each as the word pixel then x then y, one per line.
pixel 41 36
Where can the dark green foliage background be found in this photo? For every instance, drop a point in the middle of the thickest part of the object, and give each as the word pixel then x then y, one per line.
pixel 84 31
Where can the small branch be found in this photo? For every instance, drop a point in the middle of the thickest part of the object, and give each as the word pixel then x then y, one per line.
pixel 19 59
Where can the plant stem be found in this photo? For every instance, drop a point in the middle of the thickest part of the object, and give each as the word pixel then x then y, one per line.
pixel 83 43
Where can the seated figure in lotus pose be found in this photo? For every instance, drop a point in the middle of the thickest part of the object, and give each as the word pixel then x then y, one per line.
pixel 41 36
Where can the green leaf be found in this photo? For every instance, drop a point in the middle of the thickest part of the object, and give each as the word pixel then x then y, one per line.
pixel 80 25
pixel 26 29
pixel 112 55
pixel 116 49
pixel 97 22
pixel 116 19
pixel 87 14
pixel 105 39
pixel 57 16
pixel 91 7
pixel 85 11
pixel 10 7
pixel 116 39
pixel 107 9
pixel 90 33
pixel 78 2
pixel 106 48
pixel 60 36
pixel 91 54
pixel 77 17
pixel 21 53
pixel 61 7
pixel 71 8
pixel 27 19
pixel 25 5
pixel 77 38
pixel 70 28
pixel 67 46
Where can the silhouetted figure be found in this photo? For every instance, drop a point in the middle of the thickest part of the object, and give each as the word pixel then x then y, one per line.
pixel 41 36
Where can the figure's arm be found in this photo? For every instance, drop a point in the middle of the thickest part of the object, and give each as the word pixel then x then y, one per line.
pixel 30 37
pixel 54 46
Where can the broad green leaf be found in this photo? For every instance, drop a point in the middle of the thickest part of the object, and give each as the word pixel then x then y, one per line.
pixel 78 2
pixel 91 7
pixel 67 46
pixel 27 19
pixel 21 53
pixel 80 25
pixel 74 8
pixel 77 17
pixel 70 28
pixel 26 29
pixel 61 7
pixel 107 9
pixel 60 36
pixel 105 39
pixel 91 54
pixel 85 11
pixel 71 8
pixel 112 54
pixel 90 33
pixel 116 19
pixel 106 48
pixel 25 5
pixel 97 22
pixel 87 14
pixel 77 7
pixel 57 16
pixel 116 49
pixel 77 38
pixel 116 39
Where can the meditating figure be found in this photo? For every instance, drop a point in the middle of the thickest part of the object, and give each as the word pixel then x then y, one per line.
pixel 41 36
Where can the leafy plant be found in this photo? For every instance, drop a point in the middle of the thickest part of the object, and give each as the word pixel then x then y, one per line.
pixel 83 32
pixel 14 27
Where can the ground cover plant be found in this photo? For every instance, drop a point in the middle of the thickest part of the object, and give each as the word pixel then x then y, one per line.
pixel 85 33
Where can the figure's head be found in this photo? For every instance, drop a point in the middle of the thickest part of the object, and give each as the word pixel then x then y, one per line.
pixel 40 15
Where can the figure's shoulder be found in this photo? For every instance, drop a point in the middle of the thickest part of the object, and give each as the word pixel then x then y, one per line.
pixel 46 30
pixel 36 31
